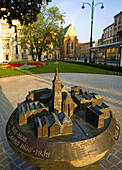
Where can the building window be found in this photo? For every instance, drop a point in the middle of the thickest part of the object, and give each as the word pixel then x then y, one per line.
pixel 119 28
pixel 115 22
pixel 5 28
pixel 108 35
pixel 5 43
pixel 72 45
pixel 114 30
pixel 7 57
pixel 111 33
pixel 119 19
pixel 105 36
pixel 67 48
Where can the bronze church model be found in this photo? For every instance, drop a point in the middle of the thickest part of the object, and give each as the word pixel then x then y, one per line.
pixel 66 129
pixel 50 110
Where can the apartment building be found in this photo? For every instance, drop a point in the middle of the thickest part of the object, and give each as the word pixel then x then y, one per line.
pixel 84 49
pixel 108 34
pixel 9 49
pixel 117 27
pixel 113 32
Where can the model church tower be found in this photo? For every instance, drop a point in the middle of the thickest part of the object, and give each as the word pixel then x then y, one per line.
pixel 57 97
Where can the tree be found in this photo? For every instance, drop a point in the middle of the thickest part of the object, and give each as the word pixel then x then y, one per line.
pixel 26 37
pixel 24 10
pixel 41 34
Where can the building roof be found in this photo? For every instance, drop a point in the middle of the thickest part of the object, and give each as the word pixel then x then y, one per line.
pixel 69 31
pixel 109 26
pixel 50 119
pixel 118 14
pixel 79 43
pixel 107 45
pixel 62 118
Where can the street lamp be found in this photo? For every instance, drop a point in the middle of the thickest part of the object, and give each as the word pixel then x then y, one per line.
pixel 92 6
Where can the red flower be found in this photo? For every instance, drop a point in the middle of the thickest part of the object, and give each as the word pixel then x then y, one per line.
pixel 15 65
pixel 38 63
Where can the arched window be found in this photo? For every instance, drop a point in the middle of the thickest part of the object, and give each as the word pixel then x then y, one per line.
pixel 67 48
pixel 68 109
pixel 72 45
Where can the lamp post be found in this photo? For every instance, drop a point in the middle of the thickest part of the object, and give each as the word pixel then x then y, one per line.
pixel 92 6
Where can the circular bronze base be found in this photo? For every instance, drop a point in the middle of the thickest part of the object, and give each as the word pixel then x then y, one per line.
pixel 51 154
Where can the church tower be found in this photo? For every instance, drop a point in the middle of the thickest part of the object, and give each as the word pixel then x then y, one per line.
pixel 57 97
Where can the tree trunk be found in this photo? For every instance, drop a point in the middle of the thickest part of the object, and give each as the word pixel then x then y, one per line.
pixel 40 55
pixel 33 57
pixel 31 52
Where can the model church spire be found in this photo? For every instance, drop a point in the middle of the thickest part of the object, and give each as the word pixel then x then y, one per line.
pixel 57 98
pixel 56 74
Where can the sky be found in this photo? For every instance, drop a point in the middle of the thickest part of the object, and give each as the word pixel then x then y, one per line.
pixel 81 18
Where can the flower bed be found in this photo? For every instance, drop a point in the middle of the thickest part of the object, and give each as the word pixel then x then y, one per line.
pixel 14 65
pixel 21 64
pixel 38 63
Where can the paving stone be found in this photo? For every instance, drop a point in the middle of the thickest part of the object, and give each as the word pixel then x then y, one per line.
pixel 120 150
pixel 7 167
pixel 6 142
pixel 25 165
pixel 119 165
pixel 113 159
pixel 114 168
pixel 10 160
pixel 106 163
pixel 119 142
pixel 5 117
pixel 1 167
pixel 116 146
pixel 119 155
pixel 12 165
pixel 106 156
pixel 113 151
pixel 13 156
pixel 4 162
pixel 10 151
pixel 1 151
pixel 101 167
pixel 2 156
pixel 7 147
pixel 18 161
pixel 120 138
pixel 1 145
pixel 17 168
pixel 33 168
pixel 1 119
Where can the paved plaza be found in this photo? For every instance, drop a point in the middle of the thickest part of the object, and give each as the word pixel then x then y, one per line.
pixel 13 90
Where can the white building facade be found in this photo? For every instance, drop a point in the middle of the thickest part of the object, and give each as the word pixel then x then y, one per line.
pixel 117 27
pixel 8 46
pixel 9 50
pixel 108 33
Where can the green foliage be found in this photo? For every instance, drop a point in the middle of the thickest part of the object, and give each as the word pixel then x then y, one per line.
pixel 102 66
pixel 44 32
pixel 24 10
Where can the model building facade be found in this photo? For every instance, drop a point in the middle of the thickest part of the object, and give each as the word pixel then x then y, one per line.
pixel 96 110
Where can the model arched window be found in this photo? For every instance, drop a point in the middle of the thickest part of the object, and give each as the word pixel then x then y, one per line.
pixel 72 45
pixel 67 48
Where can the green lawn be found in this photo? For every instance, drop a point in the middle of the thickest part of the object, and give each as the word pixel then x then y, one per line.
pixel 63 67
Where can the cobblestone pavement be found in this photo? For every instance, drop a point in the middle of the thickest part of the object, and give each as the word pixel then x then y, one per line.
pixel 14 89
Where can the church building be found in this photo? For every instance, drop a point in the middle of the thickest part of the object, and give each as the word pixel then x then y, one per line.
pixel 68 46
